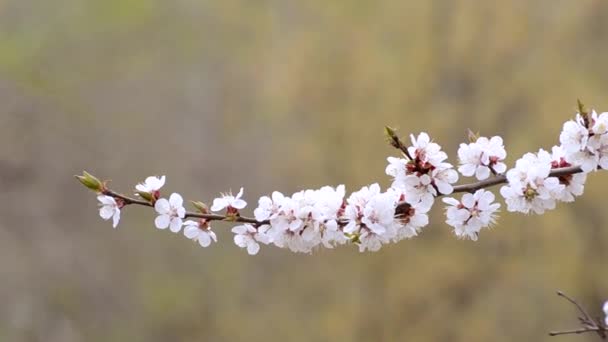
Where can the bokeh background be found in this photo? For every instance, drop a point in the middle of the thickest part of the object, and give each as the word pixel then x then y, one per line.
pixel 285 95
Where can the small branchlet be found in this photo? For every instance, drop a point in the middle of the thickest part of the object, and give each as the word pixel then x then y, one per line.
pixel 588 323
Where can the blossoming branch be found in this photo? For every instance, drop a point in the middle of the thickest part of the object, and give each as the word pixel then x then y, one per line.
pixel 370 217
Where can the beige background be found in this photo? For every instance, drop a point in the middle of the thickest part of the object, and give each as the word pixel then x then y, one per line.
pixel 284 95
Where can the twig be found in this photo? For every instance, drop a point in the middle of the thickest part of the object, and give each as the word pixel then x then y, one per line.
pixel 209 217
pixel 588 324
pixel 575 331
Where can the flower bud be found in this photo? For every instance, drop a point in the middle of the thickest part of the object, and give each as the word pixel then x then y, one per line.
pixel 391 136
pixel 146 195
pixel 472 136
pixel 90 181
pixel 201 207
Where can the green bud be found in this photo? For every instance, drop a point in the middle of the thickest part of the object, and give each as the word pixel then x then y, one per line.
pixel 391 136
pixel 472 136
pixel 201 207
pixel 146 195
pixel 581 107
pixel 90 181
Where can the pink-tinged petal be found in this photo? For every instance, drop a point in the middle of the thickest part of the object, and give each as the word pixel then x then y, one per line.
pixel 176 224
pixel 162 221
pixel 176 200
pixel 253 248
pixel 242 229
pixel 462 215
pixel 239 204
pixel 159 183
pixel 500 168
pixel 219 204
pixel 204 240
pixel 467 169
pixel 191 231
pixel 141 188
pixel 482 172
pixel 450 201
pixel 308 234
pixel 468 201
pixel 239 194
pixel 240 241
pixel 116 218
pixel 295 225
pixel 106 212
pixel 277 197
pixel 106 200
pixel 486 196
pixel 419 220
pixel 444 187
pixel 162 206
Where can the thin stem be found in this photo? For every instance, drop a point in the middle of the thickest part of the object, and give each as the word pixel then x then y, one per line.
pixel 574 331
pixel 588 319
pixel 209 217
pixel 588 324
pixel 502 179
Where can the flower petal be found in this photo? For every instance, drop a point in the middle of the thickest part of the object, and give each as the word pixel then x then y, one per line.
pixel 162 206
pixel 176 224
pixel 176 200
pixel 253 248
pixel 162 221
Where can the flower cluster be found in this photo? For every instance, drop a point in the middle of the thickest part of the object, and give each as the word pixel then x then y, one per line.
pixel 370 217
pixel 472 213
pixel 482 158
pixel 530 187
pixel 424 174
pixel 585 141
pixel 301 222
pixel 372 221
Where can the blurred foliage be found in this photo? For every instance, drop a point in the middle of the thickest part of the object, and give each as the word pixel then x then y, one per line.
pixel 284 95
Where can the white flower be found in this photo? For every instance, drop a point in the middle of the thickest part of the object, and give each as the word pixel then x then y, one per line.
pixel 170 213
pixel 425 152
pixel 199 231
pixel 585 141
pixel 304 220
pixel 248 237
pixel 371 217
pixel 409 219
pixel 530 188
pixel 151 184
pixel 109 209
pixel 472 213
pixel 443 178
pixel 379 213
pixel 419 189
pixel 605 309
pixel 482 157
pixel 574 184
pixel 356 203
pixel 426 175
pixel 229 201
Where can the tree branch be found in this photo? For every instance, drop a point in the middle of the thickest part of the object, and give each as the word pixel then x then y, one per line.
pixel 401 209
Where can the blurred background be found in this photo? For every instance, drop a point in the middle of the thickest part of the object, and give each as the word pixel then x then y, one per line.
pixel 285 95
